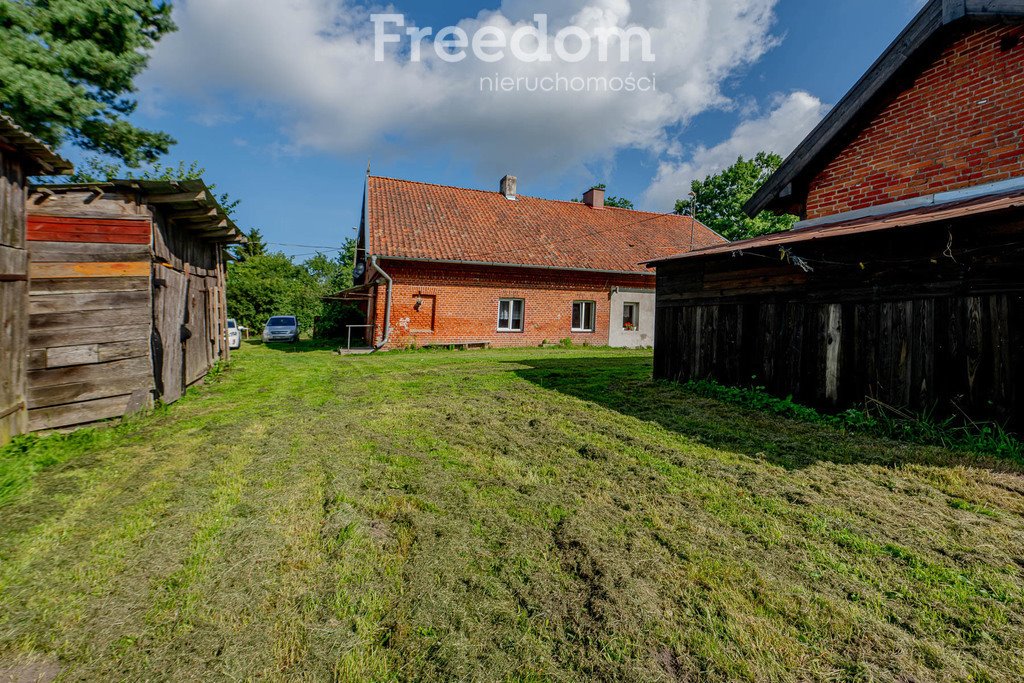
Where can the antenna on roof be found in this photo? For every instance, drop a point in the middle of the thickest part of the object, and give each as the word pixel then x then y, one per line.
pixel 368 166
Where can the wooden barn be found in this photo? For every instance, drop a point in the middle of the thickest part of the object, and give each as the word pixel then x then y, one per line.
pixel 21 155
pixel 904 280
pixel 127 296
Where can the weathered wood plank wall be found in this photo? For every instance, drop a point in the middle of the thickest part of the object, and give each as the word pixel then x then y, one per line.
pixel 189 308
pixel 90 313
pixel 13 297
pixel 924 318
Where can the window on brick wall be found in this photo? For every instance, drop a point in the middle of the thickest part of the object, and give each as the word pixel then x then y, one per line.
pixel 510 315
pixel 583 316
pixel 630 316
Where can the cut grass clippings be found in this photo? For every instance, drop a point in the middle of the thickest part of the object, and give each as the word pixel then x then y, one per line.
pixel 521 515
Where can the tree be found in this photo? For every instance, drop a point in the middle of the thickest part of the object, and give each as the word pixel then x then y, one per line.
pixel 67 69
pixel 254 247
pixel 718 200
pixel 270 284
pixel 333 276
pixel 616 202
pixel 267 284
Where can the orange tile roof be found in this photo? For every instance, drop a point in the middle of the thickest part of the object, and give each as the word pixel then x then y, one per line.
pixel 414 220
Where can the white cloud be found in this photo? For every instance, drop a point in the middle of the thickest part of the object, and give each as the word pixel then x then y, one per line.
pixel 309 63
pixel 780 130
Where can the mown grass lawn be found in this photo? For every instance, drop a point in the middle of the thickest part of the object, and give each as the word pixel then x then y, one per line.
pixel 504 515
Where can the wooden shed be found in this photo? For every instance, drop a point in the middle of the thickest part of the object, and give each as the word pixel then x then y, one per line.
pixel 21 155
pixel 921 310
pixel 127 296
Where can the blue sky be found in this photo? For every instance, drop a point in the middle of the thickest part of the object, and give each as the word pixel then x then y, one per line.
pixel 284 108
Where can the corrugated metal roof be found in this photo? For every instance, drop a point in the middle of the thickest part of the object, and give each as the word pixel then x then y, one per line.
pixel 36 150
pixel 918 216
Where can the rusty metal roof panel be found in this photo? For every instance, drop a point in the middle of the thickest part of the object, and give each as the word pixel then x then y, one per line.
pixel 919 216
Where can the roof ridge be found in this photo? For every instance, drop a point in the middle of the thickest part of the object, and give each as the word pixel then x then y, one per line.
pixel 527 196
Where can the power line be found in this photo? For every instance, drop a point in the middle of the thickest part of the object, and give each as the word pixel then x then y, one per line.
pixel 304 246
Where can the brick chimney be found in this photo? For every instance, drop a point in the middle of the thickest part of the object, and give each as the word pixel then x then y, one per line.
pixel 594 197
pixel 508 187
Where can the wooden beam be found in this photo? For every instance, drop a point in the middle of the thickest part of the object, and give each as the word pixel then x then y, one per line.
pixel 221 233
pixel 178 198
pixel 48 271
pixel 953 10
pixel 992 7
pixel 211 226
pixel 191 215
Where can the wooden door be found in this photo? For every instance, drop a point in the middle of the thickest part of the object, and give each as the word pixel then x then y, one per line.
pixel 168 326
pixel 197 344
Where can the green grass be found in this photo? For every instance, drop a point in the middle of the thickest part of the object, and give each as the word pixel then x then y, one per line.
pixel 520 515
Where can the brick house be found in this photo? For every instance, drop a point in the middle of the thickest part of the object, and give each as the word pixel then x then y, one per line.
pixel 904 280
pixel 942 110
pixel 444 265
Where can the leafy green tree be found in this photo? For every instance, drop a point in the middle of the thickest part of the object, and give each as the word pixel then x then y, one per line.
pixel 255 246
pixel 616 202
pixel 334 275
pixel 266 284
pixel 270 284
pixel 67 71
pixel 717 201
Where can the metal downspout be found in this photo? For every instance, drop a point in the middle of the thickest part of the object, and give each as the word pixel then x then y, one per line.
pixel 387 304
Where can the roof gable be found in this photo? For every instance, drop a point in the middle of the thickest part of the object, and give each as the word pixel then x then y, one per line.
pixel 907 54
pixel 418 221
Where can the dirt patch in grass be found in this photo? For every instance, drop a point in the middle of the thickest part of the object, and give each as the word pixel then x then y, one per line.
pixel 505 515
pixel 29 670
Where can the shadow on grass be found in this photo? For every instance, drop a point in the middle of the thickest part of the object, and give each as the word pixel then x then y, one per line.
pixel 625 386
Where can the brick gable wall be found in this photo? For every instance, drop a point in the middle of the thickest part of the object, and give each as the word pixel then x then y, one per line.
pixel 958 125
pixel 461 303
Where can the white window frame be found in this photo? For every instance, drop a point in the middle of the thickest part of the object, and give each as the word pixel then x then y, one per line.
pixel 511 302
pixel 636 315
pixel 592 305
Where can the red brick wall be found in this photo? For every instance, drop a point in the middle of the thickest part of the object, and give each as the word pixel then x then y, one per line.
pixel 959 124
pixel 464 303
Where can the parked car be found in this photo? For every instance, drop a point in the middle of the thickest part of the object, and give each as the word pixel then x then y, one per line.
pixel 281 328
pixel 234 335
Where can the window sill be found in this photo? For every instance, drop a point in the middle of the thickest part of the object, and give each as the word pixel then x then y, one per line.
pixel 583 331
pixel 509 331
